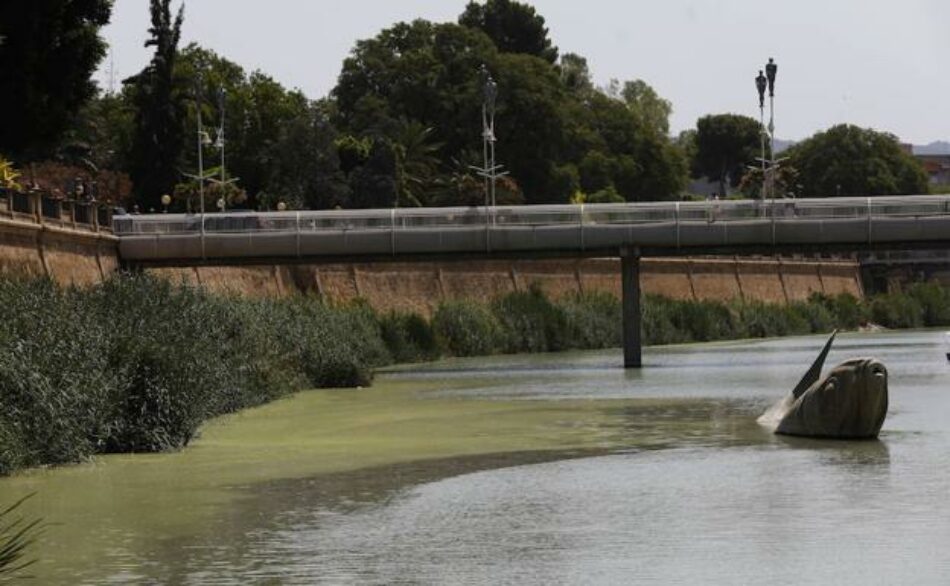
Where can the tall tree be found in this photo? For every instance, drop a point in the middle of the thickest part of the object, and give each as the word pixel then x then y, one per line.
pixel 159 111
pixel 48 52
pixel 648 105
pixel 514 27
pixel 847 160
pixel 575 74
pixel 256 112
pixel 725 143
pixel 305 166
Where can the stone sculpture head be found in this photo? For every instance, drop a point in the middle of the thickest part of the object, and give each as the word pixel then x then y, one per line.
pixel 849 403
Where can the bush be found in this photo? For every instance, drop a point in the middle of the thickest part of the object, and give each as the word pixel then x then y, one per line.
pixel 530 322
pixel 897 310
pixel 934 302
pixel 408 337
pixel 465 328
pixel 137 365
pixel 592 320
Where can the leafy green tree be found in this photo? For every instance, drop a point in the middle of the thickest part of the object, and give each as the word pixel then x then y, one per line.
pixel 575 74
pixel 416 71
pixel 159 112
pixel 847 160
pixel 256 109
pixel 513 27
pixel 725 143
pixel 375 184
pixel 48 52
pixel 305 172
pixel 648 105
pixel 417 163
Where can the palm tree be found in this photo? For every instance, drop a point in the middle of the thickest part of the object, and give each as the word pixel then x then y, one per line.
pixel 417 162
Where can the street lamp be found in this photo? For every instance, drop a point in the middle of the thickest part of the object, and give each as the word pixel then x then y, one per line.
pixel 490 172
pixel 760 84
pixel 166 201
pixel 771 69
pixel 221 142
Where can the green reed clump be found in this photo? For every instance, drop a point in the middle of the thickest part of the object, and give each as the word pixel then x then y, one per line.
pixel 847 311
pixel 17 534
pixel 592 320
pixel 530 322
pixel 137 364
pixel 409 337
pixel 465 328
pixel 333 347
pixel 897 310
pixel 934 302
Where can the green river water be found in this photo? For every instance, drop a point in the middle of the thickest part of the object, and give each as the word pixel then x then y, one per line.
pixel 553 469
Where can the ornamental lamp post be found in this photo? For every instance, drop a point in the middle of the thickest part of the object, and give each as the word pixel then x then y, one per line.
pixel 166 201
pixel 771 69
pixel 760 84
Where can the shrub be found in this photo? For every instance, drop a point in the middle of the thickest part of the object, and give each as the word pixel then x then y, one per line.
pixel 465 328
pixel 592 320
pixel 530 322
pixel 408 337
pixel 934 302
pixel 897 310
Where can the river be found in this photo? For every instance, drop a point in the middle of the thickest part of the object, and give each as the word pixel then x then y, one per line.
pixel 552 469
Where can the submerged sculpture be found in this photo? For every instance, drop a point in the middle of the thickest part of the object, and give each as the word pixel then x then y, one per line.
pixel 849 403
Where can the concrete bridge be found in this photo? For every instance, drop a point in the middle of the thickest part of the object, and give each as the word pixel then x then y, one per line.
pixel 626 230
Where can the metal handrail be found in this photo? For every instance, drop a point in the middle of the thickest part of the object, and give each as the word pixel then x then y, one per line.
pixel 532 217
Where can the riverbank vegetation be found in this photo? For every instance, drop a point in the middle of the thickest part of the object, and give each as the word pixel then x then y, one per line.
pixel 138 364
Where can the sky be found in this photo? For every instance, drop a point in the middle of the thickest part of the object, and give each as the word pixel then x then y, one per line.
pixel 881 64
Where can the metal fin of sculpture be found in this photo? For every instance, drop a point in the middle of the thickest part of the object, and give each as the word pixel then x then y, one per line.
pixel 849 403
pixel 815 371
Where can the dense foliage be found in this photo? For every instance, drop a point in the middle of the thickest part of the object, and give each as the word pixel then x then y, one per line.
pixel 138 364
pixel 48 52
pixel 159 111
pixel 725 144
pixel 846 160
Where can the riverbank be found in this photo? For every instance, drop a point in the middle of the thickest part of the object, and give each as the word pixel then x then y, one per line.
pixel 138 365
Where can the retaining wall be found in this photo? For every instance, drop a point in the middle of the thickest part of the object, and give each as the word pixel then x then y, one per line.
pixel 420 287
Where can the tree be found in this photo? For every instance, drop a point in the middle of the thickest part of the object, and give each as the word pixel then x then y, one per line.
pixel 48 53
pixel 256 111
pixel 305 172
pixel 375 184
pixel 575 74
pixel 513 27
pixel 159 112
pixel 417 163
pixel 725 143
pixel 648 105
pixel 847 160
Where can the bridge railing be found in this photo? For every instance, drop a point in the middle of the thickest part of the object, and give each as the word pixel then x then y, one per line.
pixel 522 216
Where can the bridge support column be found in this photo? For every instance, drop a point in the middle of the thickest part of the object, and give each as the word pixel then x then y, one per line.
pixel 630 277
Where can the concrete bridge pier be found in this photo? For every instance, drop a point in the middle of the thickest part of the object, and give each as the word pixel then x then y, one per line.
pixel 630 269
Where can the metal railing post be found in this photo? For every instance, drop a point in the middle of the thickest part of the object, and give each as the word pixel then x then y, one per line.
pixel 392 231
pixel 298 233
pixel 580 223
pixel 676 220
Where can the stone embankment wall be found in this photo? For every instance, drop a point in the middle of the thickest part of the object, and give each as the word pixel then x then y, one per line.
pixel 68 256
pixel 420 287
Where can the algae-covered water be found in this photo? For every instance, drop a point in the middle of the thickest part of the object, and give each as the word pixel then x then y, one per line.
pixel 531 469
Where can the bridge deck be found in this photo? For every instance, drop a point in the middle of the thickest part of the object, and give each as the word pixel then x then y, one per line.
pixel 673 228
